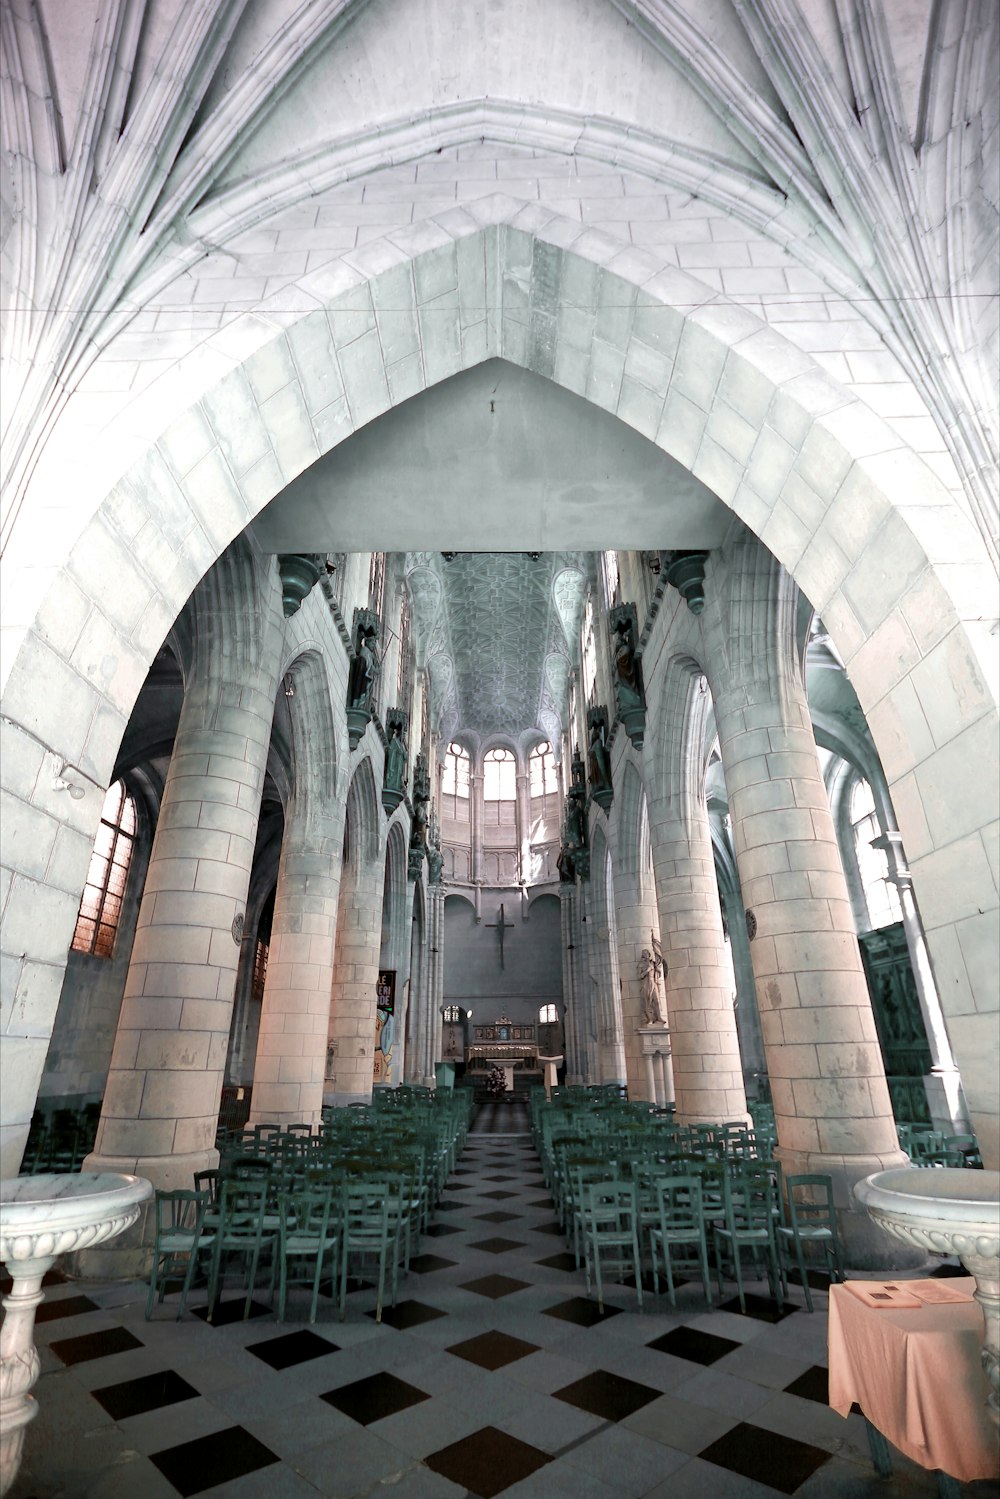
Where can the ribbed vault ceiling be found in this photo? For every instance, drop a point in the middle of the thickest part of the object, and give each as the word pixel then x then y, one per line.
pixel 495 631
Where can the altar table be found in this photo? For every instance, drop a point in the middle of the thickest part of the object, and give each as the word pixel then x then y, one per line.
pixel 917 1376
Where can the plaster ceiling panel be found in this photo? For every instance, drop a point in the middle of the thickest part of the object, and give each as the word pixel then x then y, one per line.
pixel 492 459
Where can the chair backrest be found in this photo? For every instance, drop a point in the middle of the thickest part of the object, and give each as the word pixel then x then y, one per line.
pixel 306 1212
pixel 249 1168
pixel 241 1208
pixel 809 1200
pixel 679 1203
pixel 749 1198
pixel 210 1183
pixel 180 1211
pixel 367 1207
pixel 610 1205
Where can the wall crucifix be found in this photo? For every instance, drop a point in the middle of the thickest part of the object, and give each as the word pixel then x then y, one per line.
pixel 500 925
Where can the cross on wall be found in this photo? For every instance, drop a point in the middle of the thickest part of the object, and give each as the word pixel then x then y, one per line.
pixel 501 924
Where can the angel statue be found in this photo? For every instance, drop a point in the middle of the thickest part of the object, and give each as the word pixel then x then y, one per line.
pixel 651 966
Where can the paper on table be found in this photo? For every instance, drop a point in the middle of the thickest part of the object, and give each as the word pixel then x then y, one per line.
pixel 888 1295
pixel 936 1292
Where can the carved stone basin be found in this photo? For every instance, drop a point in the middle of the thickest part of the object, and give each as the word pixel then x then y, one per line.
pixel 42 1217
pixel 948 1211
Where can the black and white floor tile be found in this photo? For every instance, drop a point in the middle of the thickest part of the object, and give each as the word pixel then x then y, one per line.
pixel 493 1375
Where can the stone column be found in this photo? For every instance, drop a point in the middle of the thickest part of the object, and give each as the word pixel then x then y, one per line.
pixel 708 1072
pixel 581 1044
pixel 476 831
pixel 523 814
pixel 945 1098
pixel 435 979
pixel 161 1103
pixel 831 1100
pixel 294 1020
pixel 351 1032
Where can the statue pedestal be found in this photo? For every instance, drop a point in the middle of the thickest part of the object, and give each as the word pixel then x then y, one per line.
pixel 42 1217
pixel 551 1065
pixel 656 1060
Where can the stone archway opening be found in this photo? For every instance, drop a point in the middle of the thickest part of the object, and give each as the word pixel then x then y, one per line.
pixel 858 521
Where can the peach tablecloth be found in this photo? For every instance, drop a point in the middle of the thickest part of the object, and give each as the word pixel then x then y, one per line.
pixel 918 1378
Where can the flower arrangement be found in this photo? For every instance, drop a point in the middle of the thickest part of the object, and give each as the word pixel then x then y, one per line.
pixel 496 1082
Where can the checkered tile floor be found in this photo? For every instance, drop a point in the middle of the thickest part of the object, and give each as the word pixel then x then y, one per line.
pixel 494 1374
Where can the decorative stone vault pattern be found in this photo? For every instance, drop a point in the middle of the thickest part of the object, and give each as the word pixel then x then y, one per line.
pixel 496 642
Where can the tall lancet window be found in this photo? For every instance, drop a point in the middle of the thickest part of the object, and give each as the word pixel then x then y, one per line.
pixel 101 906
pixel 499 787
pixel 881 896
pixel 455 784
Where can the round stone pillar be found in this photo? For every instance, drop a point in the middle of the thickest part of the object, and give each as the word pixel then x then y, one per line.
pixel 351 1031
pixel 294 1018
pixel 831 1100
pixel 161 1102
pixel 708 1071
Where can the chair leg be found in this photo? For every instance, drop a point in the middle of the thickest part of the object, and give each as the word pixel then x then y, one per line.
pixel 705 1272
pixel 803 1273
pixel 188 1281
pixel 597 1277
pixel 153 1278
pixel 637 1261
pixel 738 1271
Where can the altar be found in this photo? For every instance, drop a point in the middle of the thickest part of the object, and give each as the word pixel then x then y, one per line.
pixel 511 1046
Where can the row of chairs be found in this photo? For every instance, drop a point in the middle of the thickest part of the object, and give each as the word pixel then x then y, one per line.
pixel 308 1238
pixel 702 1191
pixel 308 1205
pixel 679 1224
pixel 931 1147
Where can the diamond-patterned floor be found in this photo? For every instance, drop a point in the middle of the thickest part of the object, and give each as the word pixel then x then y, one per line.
pixel 494 1374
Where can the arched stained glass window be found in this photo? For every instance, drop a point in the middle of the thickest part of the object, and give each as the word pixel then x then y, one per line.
pixel 548 1015
pixel 100 908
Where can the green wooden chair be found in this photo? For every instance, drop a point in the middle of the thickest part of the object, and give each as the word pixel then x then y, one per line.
pixel 681 1224
pixel 242 1233
pixel 749 1209
pixel 309 1238
pixel 611 1234
pixel 810 1222
pixel 180 1240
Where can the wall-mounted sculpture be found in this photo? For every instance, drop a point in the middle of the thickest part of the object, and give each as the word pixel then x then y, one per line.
pixel 421 816
pixel 363 674
pixel 574 855
pixel 598 759
pixel 394 779
pixel 629 691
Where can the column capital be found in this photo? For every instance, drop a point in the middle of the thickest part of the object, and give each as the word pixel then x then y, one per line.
pixel 891 844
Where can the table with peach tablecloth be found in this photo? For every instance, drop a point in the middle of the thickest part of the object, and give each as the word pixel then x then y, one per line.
pixel 917 1376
